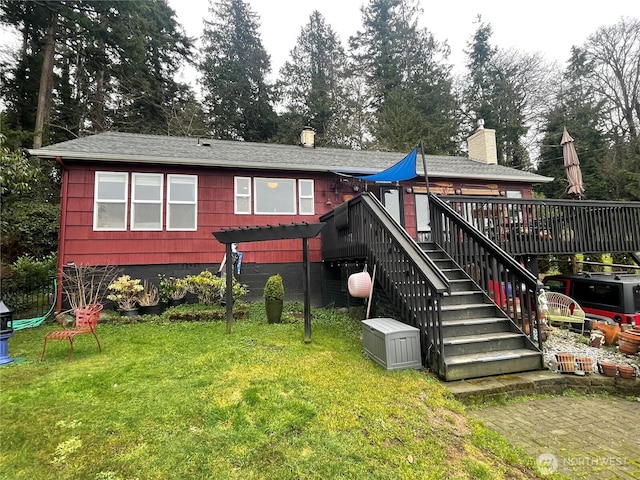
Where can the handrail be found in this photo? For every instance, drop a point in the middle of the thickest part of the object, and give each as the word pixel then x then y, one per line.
pixel 552 227
pixel 512 287
pixel 362 228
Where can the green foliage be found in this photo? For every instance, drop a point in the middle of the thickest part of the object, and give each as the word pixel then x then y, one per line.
pixel 274 288
pixel 114 67
pixel 505 88
pixel 211 289
pixel 28 284
pixel 407 78
pixel 171 288
pixel 149 296
pixel 311 83
pixel 233 71
pixel 27 269
pixel 203 313
pixel 579 111
pixel 29 228
pixel 29 201
pixel 125 291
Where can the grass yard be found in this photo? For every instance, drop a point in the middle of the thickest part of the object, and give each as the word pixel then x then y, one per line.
pixel 187 401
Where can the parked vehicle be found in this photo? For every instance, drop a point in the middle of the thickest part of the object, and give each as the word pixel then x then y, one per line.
pixel 615 296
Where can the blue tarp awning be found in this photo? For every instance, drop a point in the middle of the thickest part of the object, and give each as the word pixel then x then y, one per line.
pixel 405 169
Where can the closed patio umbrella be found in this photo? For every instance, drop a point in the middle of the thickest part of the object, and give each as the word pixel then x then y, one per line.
pixel 572 165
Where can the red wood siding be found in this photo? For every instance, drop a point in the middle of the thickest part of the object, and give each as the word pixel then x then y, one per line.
pixel 82 245
pixel 215 211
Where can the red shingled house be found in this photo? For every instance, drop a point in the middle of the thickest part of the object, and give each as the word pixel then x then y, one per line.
pixel 151 203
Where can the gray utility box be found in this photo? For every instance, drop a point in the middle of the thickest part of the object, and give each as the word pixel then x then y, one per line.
pixel 392 344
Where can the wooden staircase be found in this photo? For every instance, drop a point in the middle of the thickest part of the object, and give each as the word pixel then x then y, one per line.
pixel 479 338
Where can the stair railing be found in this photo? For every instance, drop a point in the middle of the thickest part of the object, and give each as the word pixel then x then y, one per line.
pixel 511 286
pixel 363 228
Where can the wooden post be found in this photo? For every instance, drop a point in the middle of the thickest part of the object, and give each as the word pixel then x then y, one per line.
pixel 229 291
pixel 426 181
pixel 306 279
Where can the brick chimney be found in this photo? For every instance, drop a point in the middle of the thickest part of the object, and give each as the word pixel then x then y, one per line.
pixel 307 137
pixel 482 145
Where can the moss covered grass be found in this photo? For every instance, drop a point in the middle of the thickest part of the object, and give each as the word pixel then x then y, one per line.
pixel 185 400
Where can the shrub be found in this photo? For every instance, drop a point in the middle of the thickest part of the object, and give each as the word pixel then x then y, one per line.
pixel 125 291
pixel 149 296
pixel 274 288
pixel 28 270
pixel 171 288
pixel 210 289
pixel 204 313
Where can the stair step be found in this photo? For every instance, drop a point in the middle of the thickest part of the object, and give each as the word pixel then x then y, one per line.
pixel 475 326
pixel 484 337
pixel 462 285
pixel 464 298
pixel 484 342
pixel 486 364
pixel 437 255
pixel 467 311
pixel 454 274
pixel 459 322
pixel 491 356
pixel 458 293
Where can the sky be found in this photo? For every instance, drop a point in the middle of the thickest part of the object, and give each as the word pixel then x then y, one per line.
pixel 551 27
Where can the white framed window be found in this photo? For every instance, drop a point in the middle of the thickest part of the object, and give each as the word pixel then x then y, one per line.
pixel 242 195
pixel 305 197
pixel 182 202
pixel 110 201
pixel 146 201
pixel 274 196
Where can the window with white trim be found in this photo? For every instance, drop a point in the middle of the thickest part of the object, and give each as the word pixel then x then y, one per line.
pixel 274 196
pixel 110 201
pixel 182 202
pixel 242 197
pixel 146 201
pixel 305 197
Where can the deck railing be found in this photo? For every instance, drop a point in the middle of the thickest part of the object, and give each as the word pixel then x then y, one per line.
pixel 511 286
pixel 552 227
pixel 363 229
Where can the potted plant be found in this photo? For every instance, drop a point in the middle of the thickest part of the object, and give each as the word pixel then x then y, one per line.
pixel 149 299
pixel 125 291
pixel 274 298
pixel 172 290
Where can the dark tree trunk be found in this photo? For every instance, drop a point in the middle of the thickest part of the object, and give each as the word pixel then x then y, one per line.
pixel 46 80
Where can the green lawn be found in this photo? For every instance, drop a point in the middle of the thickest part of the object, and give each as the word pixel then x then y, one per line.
pixel 187 401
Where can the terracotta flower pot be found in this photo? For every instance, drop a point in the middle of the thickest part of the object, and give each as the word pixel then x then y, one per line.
pixel 610 332
pixel 596 339
pixel 608 369
pixel 585 364
pixel 627 371
pixel 628 343
pixel 566 362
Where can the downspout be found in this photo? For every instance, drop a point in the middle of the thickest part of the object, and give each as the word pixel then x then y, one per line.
pixel 62 232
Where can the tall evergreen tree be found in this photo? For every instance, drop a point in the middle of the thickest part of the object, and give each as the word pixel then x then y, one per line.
pixel 613 53
pixel 91 65
pixel 311 83
pixel 233 72
pixel 575 107
pixel 408 79
pixel 505 88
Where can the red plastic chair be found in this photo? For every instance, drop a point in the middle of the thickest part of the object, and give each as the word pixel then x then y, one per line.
pixel 86 322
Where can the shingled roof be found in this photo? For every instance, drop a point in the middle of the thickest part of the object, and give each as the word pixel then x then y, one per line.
pixel 189 151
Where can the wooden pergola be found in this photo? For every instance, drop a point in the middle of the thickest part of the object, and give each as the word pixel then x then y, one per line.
pixel 305 231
